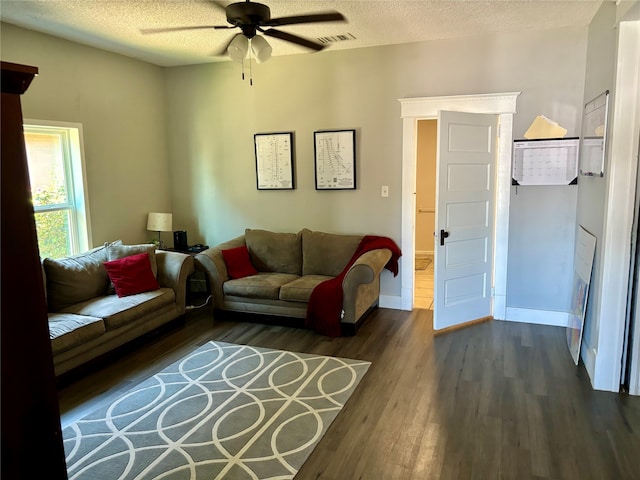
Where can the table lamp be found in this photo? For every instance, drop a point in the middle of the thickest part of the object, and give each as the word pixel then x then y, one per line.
pixel 160 222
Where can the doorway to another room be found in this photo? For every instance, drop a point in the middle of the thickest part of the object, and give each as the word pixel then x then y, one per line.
pixel 414 110
pixel 425 213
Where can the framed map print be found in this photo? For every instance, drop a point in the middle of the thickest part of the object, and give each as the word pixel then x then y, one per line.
pixel 335 159
pixel 274 161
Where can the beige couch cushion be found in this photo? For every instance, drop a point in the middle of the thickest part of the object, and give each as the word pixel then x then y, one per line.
pixel 326 253
pixel 117 311
pixel 75 279
pixel 300 290
pixel 274 252
pixel 263 285
pixel 67 330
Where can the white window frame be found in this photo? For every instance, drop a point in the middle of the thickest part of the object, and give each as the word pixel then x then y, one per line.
pixel 76 180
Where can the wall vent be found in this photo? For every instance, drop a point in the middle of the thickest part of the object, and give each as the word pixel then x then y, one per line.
pixel 343 37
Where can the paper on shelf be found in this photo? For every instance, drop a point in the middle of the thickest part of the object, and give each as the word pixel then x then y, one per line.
pixel 542 127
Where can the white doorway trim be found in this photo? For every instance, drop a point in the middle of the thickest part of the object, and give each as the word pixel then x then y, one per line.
pixel 619 212
pixel 414 109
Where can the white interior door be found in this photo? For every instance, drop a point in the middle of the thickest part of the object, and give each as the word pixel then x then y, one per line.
pixel 467 144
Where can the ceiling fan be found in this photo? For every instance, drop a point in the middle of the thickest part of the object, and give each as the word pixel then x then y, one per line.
pixel 251 18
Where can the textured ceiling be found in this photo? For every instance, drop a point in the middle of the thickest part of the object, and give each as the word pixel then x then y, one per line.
pixel 115 25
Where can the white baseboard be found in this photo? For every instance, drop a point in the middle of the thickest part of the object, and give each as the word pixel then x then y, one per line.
pixel 538 317
pixel 525 315
pixel 499 307
pixel 390 301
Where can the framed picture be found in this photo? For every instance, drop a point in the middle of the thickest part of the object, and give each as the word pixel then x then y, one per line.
pixel 335 159
pixel 585 248
pixel 274 161
pixel 593 140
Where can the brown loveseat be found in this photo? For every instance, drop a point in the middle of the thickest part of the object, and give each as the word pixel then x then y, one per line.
pixel 87 318
pixel 289 266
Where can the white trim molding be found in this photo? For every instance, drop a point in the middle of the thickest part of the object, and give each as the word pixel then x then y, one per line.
pixel 538 317
pixel 428 107
pixel 619 210
pixel 390 301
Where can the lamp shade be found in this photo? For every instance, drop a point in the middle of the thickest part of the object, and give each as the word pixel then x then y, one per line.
pixel 160 222
pixel 238 48
pixel 261 49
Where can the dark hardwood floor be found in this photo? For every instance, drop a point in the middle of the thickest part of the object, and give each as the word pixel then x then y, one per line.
pixel 495 400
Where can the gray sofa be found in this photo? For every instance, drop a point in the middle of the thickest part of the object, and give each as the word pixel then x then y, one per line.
pixel 87 318
pixel 289 266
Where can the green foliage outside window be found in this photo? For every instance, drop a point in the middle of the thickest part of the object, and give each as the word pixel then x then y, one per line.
pixel 52 226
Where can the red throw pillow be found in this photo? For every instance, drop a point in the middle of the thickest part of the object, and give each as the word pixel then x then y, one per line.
pixel 238 262
pixel 132 274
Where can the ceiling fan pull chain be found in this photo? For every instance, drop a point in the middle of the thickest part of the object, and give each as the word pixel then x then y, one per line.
pixel 250 72
pixel 250 64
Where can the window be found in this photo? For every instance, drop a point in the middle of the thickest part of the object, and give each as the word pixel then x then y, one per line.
pixel 56 170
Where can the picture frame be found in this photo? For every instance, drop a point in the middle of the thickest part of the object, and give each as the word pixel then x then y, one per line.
pixel 585 247
pixel 335 159
pixel 593 137
pixel 274 161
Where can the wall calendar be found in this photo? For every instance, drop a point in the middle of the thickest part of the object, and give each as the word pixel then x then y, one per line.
pixel 545 162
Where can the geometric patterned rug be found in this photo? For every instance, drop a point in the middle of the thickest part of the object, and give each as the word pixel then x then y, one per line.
pixel 223 412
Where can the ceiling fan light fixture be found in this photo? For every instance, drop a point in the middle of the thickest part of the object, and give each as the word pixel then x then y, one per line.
pixel 238 48
pixel 261 49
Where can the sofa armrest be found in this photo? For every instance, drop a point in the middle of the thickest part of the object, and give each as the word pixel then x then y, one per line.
pixel 173 270
pixel 361 284
pixel 212 263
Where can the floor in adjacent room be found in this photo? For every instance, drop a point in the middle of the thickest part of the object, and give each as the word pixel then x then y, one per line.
pixel 423 286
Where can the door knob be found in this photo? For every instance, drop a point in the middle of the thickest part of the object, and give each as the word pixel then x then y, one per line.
pixel 443 234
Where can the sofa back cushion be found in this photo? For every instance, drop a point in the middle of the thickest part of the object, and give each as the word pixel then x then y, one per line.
pixel 326 253
pixel 76 278
pixel 274 252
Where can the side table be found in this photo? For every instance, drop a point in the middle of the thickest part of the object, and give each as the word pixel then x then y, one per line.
pixel 199 277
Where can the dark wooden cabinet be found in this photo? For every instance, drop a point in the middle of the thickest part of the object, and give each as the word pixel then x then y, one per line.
pixel 31 433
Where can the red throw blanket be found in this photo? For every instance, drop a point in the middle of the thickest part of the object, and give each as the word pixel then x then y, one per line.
pixel 325 304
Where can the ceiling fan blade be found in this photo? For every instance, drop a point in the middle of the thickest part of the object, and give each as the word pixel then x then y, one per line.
pixel 312 18
pixel 219 5
pixel 177 29
pixel 272 32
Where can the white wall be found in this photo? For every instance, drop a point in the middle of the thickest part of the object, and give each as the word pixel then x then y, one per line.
pixel 120 103
pixel 599 77
pixel 213 115
pixel 541 246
